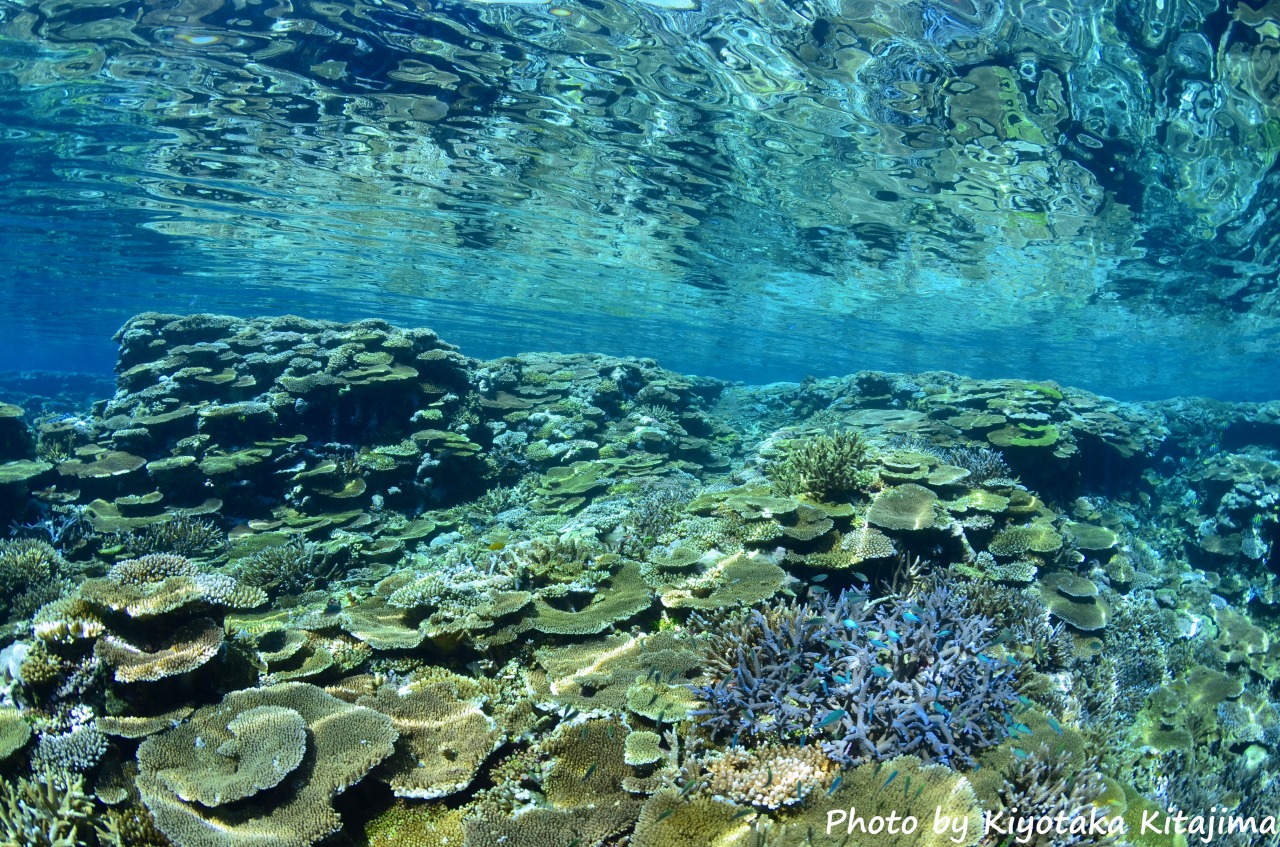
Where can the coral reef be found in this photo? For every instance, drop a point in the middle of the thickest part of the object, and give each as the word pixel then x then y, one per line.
pixel 583 601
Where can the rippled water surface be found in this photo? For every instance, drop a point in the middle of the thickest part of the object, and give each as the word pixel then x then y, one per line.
pixel 759 190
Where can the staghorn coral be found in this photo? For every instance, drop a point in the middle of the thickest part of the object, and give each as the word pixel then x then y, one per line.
pixel 131 826
pixel 865 680
pixel 182 535
pixel 76 751
pixel 47 811
pixel 342 743
pixel 659 503
pixel 32 573
pixel 827 467
pixel 285 569
pixel 1048 784
pixel 1017 613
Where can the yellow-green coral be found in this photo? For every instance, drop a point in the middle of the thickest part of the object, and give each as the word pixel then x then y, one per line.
pixel 189 647
pixel 50 810
pixel 342 743
pixel 623 595
pixel 828 467
pixel 904 507
pixel 444 738
pixel 14 731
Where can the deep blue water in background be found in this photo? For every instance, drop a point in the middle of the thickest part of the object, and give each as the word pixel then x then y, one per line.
pixel 756 192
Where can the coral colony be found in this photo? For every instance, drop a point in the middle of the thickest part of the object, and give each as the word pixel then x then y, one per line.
pixel 306 583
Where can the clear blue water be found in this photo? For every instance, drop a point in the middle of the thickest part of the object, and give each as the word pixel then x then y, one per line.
pixel 757 191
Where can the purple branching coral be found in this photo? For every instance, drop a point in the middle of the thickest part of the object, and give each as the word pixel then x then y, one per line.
pixel 865 680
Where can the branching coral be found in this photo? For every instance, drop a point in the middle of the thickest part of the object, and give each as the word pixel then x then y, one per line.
pixel 1052 785
pixel 182 534
pixel 982 463
pixel 867 680
pixel 828 467
pixel 46 812
pixel 288 568
pixel 769 777
pixel 32 573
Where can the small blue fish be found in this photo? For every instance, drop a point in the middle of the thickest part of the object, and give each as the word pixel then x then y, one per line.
pixel 819 578
pixel 878 643
pixel 1021 727
pixel 835 784
pixel 850 624
pixel 1054 725
pixel 891 778
pixel 893 636
pixel 911 616
pixel 944 633
pixel 832 717
pixel 1019 754
pixel 938 707
pixel 861 577
pixel 1024 701
pixel 842 679
pixel 833 643
pixel 882 672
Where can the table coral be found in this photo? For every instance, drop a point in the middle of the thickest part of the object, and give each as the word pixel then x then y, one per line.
pixel 243 746
pixel 444 739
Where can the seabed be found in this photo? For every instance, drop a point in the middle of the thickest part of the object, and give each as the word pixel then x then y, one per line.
pixel 301 583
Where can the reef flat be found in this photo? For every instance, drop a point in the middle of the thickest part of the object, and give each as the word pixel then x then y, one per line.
pixel 302 583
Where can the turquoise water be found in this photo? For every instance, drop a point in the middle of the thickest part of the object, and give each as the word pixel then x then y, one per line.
pixel 755 191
